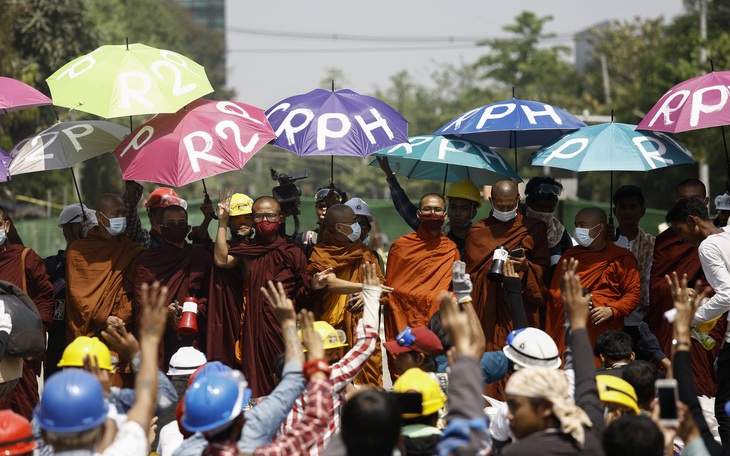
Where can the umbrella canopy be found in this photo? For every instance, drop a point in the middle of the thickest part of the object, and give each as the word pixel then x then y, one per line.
pixel 4 165
pixel 344 122
pixel 612 147
pixel 204 139
pixel 696 103
pixel 116 81
pixel 16 95
pixel 512 123
pixel 448 159
pixel 65 144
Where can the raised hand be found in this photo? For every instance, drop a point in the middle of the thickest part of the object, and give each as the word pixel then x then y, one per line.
pixel 459 328
pixel 574 301
pixel 461 282
pixel 280 304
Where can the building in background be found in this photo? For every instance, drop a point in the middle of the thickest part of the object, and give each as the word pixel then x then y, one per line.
pixel 211 14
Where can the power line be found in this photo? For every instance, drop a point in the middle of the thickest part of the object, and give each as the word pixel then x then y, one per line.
pixel 351 50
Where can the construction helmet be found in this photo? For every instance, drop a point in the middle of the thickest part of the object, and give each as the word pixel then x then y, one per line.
pixel 214 400
pixel 77 350
pixel 532 347
pixel 185 361
pixel 155 198
pixel 16 435
pixel 331 337
pixel 465 189
pixel 240 205
pixel 415 380
pixel 72 401
pixel 615 390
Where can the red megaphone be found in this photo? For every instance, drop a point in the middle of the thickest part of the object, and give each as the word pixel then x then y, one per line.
pixel 188 325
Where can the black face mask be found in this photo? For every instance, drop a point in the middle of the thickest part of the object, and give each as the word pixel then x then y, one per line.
pixel 174 234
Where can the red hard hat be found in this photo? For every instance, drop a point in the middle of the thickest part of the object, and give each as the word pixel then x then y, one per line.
pixel 16 435
pixel 157 194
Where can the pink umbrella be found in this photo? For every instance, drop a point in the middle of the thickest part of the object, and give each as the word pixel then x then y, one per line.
pixel 696 103
pixel 16 95
pixel 201 140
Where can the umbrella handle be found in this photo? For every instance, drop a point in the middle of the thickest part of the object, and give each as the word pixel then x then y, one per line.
pixel 207 200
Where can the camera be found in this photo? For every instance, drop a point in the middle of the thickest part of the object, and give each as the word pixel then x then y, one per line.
pixel 287 195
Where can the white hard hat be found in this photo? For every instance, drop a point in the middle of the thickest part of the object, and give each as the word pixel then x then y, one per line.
pixel 532 347
pixel 72 214
pixel 722 202
pixel 185 361
pixel 360 207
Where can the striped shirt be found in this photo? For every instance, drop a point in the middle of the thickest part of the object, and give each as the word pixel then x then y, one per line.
pixel 342 374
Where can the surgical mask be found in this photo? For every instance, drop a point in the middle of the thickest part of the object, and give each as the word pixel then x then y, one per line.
pixel 356 232
pixel 504 216
pixel 117 225
pixel 432 221
pixel 3 236
pixel 582 236
pixel 366 240
pixel 544 216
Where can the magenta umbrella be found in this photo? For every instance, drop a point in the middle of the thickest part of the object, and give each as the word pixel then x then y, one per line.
pixel 696 103
pixel 16 95
pixel 201 140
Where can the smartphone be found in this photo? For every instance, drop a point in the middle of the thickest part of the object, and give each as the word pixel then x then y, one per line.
pixel 517 253
pixel 666 393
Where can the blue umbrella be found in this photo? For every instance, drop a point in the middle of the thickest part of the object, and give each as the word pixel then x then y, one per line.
pixel 447 159
pixel 612 147
pixel 512 123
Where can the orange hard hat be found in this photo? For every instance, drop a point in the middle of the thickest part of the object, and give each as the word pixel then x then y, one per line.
pixel 16 435
pixel 156 196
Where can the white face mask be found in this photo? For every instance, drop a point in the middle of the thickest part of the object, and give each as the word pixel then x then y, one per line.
pixel 582 236
pixel 504 216
pixel 3 236
pixel 355 235
pixel 117 225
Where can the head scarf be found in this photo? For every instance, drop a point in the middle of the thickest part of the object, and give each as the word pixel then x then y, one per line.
pixel 552 385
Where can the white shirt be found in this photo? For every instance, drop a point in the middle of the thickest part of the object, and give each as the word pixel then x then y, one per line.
pixel 714 254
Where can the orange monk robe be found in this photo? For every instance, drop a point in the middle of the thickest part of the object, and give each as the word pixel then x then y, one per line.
pixel 100 281
pixel 346 261
pixel 612 277
pixel 419 268
pixel 489 298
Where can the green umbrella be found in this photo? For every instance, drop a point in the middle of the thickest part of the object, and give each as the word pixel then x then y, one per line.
pixel 127 80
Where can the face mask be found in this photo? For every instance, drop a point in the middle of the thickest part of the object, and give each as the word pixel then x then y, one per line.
pixel 366 240
pixel 356 232
pixel 432 221
pixel 267 229
pixel 3 236
pixel 544 216
pixel 175 234
pixel 504 216
pixel 117 225
pixel 582 236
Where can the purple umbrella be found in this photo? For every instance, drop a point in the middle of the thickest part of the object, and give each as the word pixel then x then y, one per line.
pixel 16 95
pixel 324 122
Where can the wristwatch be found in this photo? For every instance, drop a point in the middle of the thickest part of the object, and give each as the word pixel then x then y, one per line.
pixel 679 343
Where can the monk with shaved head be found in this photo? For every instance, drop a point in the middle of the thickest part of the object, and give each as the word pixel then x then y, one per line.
pixel 526 238
pixel 261 256
pixel 340 251
pixel 609 272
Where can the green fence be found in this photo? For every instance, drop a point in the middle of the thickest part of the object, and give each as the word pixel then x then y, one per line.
pixel 45 237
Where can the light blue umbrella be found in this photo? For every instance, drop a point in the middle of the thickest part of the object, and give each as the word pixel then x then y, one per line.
pixel 612 147
pixel 447 159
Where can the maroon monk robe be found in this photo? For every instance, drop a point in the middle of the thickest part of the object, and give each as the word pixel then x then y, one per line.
pixel 279 261
pixel 225 305
pixel 673 255
pixel 24 397
pixel 185 272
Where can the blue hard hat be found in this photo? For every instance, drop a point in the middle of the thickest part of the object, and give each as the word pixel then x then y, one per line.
pixel 73 401
pixel 214 400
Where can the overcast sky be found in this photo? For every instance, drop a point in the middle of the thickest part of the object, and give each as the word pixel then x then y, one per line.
pixel 280 48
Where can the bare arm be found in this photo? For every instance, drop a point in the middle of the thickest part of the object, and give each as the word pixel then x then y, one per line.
pixel 340 286
pixel 221 258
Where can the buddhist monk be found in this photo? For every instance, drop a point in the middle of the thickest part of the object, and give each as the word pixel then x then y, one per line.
pixel 419 268
pixel 340 251
pixel 23 267
pixel 608 272
pixel 100 273
pixel 673 255
pixel 184 269
pixel 265 257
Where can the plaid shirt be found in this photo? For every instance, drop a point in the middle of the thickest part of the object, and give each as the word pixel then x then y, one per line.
pixel 342 374
pixel 306 432
pixel 134 230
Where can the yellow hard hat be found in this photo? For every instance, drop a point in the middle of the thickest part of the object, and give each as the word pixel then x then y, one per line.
pixel 240 205
pixel 615 390
pixel 708 325
pixel 415 380
pixel 467 190
pixel 77 350
pixel 331 337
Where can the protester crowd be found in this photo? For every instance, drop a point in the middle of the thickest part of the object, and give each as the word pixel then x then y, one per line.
pixel 504 335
